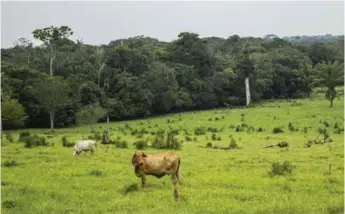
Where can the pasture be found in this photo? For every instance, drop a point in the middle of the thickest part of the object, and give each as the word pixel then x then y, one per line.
pixel 49 179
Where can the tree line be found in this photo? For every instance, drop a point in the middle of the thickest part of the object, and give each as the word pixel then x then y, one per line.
pixel 62 83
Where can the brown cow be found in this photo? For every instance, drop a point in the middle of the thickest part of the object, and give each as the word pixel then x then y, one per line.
pixel 159 165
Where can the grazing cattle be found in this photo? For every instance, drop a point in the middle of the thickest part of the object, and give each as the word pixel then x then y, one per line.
pixel 84 145
pixel 158 165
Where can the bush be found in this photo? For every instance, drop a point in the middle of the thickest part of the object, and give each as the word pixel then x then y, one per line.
pixel 23 136
pixel 233 144
pixel 66 143
pixel 9 137
pixel 95 136
pixel 260 129
pixel 171 141
pixel 292 128
pixel 34 141
pixel 141 144
pixel 277 130
pixel 211 129
pixel 232 127
pixel 305 130
pixel 188 138
pixel 209 145
pixel 250 129
pixel 336 126
pixel 214 137
pixel 11 163
pixel 200 131
pixel 326 124
pixel 281 169
pixel 96 172
pixel 122 144
pixel 9 204
pixel 238 128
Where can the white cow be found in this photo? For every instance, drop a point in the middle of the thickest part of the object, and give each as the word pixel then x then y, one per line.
pixel 84 145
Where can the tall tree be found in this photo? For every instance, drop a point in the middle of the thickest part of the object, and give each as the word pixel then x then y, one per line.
pixel 51 37
pixel 52 94
pixel 329 75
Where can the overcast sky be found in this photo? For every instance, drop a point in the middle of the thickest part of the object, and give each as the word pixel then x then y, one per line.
pixel 100 22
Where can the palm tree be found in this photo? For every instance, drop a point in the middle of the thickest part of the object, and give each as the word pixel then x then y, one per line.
pixel 305 78
pixel 329 75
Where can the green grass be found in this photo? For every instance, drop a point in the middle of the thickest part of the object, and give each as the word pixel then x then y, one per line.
pixel 51 180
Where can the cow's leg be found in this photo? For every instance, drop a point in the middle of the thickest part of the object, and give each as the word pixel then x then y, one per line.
pixel 143 180
pixel 174 181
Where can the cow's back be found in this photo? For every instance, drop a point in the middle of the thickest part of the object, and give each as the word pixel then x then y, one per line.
pixel 158 163
pixel 84 144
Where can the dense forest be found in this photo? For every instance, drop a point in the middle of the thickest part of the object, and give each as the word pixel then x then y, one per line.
pixel 63 83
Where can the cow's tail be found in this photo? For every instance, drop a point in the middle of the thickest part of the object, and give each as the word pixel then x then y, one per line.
pixel 178 171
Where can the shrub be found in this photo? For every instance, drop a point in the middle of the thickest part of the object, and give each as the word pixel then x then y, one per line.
pixel 336 126
pixel 281 169
pixel 23 136
pixel 35 140
pixel 326 124
pixel 325 134
pixel 242 117
pixel 291 127
pixel 95 136
pixel 66 143
pixel 250 129
pixel 9 204
pixel 238 128
pixel 277 130
pixel 339 131
pixel 134 132
pixel 188 138
pixel 9 137
pixel 223 117
pixel 210 119
pixel 233 144
pixel 213 137
pixel 11 163
pixel 121 144
pixel 96 172
pixel 200 131
pixel 209 145
pixel 211 129
pixel 171 141
pixel 141 144
pixel 260 129
pixel 305 130
pixel 158 141
pixel 216 118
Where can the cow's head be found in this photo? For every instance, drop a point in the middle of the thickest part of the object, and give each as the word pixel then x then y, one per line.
pixel 138 162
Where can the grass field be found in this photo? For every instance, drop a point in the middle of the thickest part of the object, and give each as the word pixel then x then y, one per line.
pixel 50 180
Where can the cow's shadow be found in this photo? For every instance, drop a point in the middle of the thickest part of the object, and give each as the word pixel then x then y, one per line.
pixel 149 187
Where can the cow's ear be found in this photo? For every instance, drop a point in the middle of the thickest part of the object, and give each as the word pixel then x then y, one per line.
pixel 144 155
